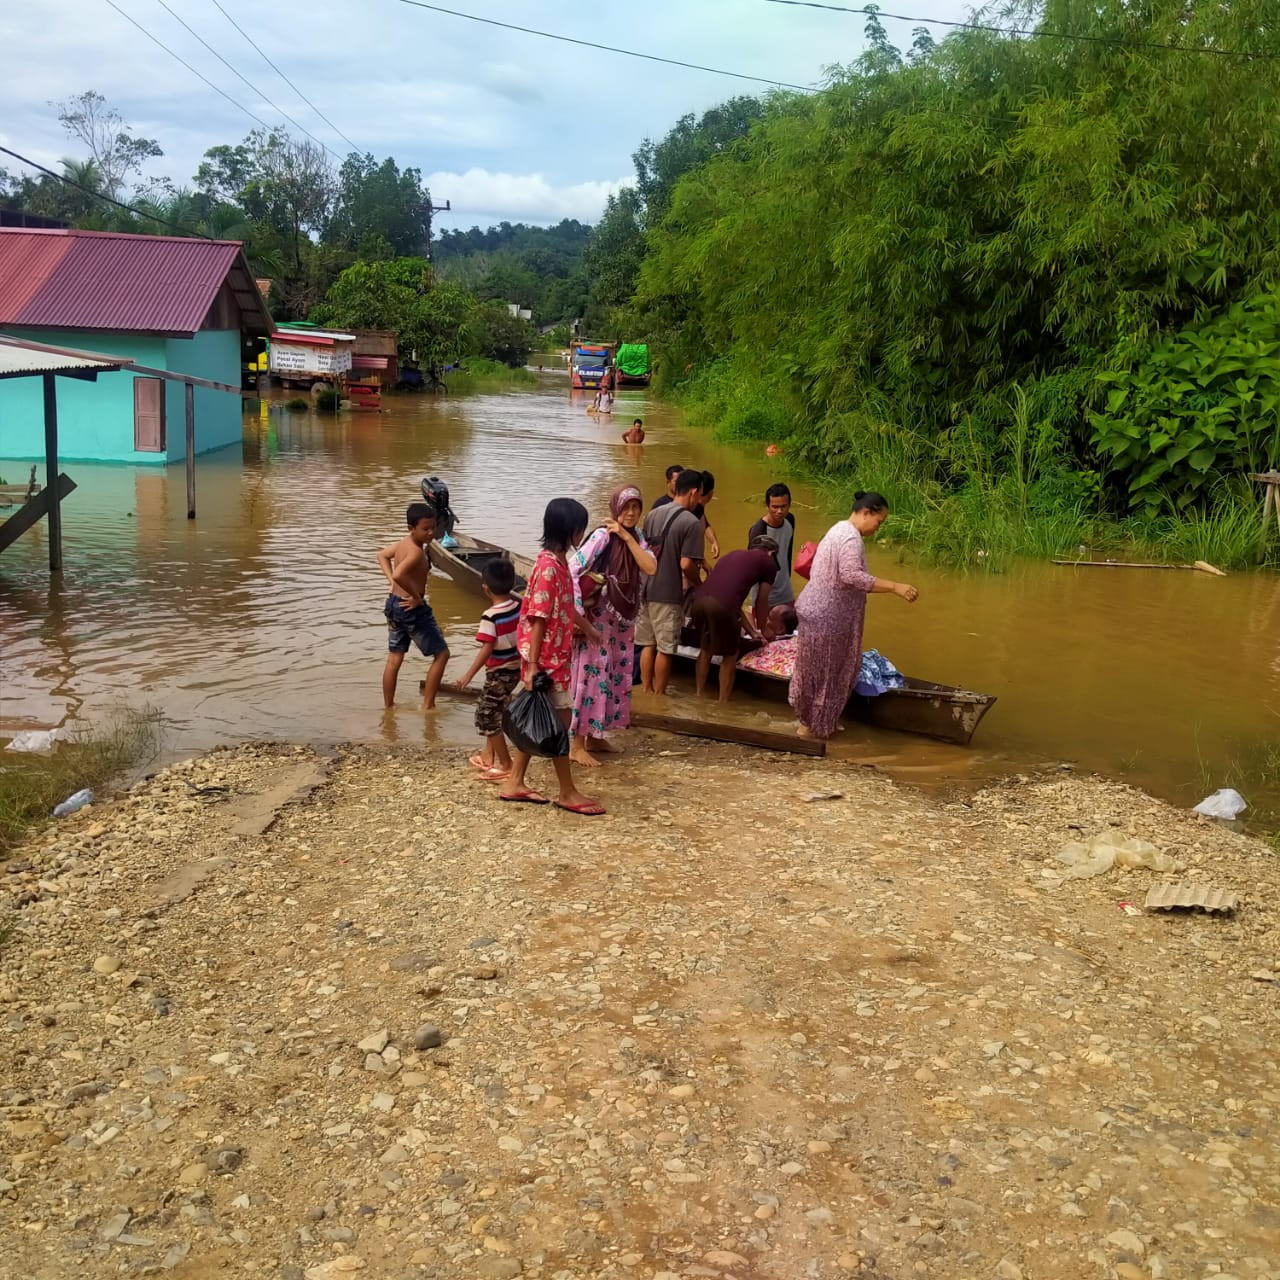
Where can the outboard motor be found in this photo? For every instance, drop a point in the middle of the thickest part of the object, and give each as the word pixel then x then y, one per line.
pixel 436 492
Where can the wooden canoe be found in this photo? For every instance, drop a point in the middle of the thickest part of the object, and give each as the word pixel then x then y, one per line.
pixel 465 562
pixel 922 707
pixel 931 710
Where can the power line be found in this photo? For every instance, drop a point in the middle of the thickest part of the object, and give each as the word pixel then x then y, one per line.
pixel 252 87
pixel 284 77
pixel 239 106
pixel 98 195
pixel 607 48
pixel 872 11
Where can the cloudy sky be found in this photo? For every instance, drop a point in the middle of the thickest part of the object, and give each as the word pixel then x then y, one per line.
pixel 504 124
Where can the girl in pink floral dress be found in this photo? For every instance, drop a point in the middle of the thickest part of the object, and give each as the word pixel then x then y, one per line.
pixel 544 638
pixel 603 667
pixel 831 610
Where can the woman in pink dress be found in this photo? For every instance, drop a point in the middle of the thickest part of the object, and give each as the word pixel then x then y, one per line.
pixel 602 666
pixel 831 610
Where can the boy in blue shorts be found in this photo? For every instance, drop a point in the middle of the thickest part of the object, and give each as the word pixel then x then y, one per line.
pixel 405 566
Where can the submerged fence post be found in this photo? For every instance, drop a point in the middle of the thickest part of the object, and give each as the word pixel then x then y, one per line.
pixel 51 471
pixel 1270 481
pixel 190 390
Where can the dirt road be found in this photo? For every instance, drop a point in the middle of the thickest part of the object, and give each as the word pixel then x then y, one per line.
pixel 269 1014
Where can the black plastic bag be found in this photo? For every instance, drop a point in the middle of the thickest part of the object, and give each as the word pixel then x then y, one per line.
pixel 532 722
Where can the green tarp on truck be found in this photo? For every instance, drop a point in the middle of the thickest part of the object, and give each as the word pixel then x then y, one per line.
pixel 633 359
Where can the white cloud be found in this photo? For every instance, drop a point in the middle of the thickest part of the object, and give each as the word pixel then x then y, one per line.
pixel 513 126
pixel 480 197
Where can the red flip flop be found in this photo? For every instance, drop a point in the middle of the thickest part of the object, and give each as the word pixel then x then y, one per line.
pixel 589 810
pixel 524 797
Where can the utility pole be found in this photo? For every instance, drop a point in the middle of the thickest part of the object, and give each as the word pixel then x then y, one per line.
pixel 429 210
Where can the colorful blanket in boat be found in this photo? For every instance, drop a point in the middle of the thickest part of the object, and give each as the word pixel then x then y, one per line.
pixel 878 674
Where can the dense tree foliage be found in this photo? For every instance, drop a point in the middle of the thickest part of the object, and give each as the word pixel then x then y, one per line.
pixel 349 245
pixel 436 321
pixel 617 245
pixel 892 258
pixel 539 268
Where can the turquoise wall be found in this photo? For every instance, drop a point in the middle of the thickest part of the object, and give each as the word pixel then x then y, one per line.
pixel 213 354
pixel 95 419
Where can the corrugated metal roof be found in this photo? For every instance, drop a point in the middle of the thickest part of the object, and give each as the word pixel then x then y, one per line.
pixel 16 359
pixel 101 280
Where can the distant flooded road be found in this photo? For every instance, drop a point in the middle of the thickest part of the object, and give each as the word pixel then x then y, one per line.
pixel 263 618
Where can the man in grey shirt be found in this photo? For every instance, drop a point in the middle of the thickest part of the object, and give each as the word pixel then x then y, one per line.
pixel 674 534
pixel 780 525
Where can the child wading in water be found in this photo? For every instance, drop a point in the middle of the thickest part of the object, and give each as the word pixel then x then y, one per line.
pixel 501 661
pixel 545 640
pixel 409 618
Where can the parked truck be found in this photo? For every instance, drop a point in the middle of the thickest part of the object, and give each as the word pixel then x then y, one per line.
pixel 589 362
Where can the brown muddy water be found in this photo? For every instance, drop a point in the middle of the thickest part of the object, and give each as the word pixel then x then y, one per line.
pixel 263 618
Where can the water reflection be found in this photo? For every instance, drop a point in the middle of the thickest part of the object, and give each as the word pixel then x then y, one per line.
pixel 262 618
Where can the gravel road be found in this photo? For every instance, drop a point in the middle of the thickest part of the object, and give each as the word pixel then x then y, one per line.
pixel 276 1014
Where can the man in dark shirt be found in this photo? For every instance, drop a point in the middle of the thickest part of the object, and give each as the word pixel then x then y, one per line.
pixel 718 612
pixel 666 499
pixel 706 491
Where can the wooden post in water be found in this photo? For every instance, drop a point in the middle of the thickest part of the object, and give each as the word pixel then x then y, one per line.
pixel 190 390
pixel 51 471
pixel 1270 480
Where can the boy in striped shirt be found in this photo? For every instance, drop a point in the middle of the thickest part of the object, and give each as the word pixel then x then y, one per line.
pixel 496 637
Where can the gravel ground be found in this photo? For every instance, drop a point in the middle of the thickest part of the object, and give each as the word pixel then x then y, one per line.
pixel 281 1015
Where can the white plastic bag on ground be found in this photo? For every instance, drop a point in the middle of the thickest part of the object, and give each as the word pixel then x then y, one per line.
pixel 33 740
pixel 1082 861
pixel 1225 804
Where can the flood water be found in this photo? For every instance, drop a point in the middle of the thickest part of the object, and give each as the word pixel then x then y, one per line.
pixel 263 617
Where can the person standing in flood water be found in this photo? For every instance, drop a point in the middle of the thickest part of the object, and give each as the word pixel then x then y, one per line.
pixel 675 534
pixel 666 499
pixel 405 566
pixel 831 611
pixel 779 524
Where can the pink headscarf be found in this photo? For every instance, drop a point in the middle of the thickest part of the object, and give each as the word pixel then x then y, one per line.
pixel 621 573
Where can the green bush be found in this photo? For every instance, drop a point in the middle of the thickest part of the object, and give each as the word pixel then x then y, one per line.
pixel 1195 407
pixel 296 404
pixel 328 400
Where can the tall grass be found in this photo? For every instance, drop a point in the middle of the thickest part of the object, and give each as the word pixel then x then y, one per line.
pixel 479 374
pixel 32 784
pixel 999 484
pixel 1228 533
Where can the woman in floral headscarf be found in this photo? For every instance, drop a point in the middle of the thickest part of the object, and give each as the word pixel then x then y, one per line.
pixel 608 576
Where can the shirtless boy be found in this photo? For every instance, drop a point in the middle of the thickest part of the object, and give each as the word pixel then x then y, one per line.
pixel 405 566
pixel 635 435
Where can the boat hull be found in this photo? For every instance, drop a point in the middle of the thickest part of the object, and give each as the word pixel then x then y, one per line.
pixel 465 563
pixel 921 707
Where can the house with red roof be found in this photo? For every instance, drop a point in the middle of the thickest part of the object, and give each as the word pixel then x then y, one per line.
pixel 167 304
